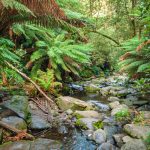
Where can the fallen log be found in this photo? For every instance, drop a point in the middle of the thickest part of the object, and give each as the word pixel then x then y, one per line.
pixel 17 131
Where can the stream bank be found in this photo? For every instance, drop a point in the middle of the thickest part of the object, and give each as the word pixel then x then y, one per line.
pixel 102 114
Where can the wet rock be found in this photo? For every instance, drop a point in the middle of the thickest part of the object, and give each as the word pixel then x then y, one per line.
pixel 118 109
pixel 106 146
pixel 91 88
pixel 88 114
pixel 114 105
pixel 88 122
pixel 101 107
pixel 113 99
pixel 19 104
pixel 135 144
pixel 66 102
pixel 89 134
pixel 110 121
pixel 119 139
pixel 16 122
pixel 99 136
pixel 137 131
pixel 127 139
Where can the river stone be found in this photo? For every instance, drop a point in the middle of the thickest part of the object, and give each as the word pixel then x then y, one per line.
pixel 127 139
pixel 88 122
pixel 38 120
pixel 88 114
pixel 118 109
pixel 16 122
pixel 135 144
pixel 45 144
pixel 19 145
pixel 106 146
pixel 99 136
pixel 19 104
pixel 113 99
pixel 119 139
pixel 114 105
pixel 67 102
pixel 91 88
pixel 137 131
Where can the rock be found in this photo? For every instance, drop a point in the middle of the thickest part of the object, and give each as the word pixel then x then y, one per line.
pixel 45 144
pixel 119 139
pixel 118 109
pixel 19 145
pixel 91 88
pixel 135 144
pixel 137 131
pixel 38 120
pixel 88 122
pixel 110 131
pixel 89 134
pixel 69 112
pixel 63 129
pixel 38 144
pixel 88 114
pixel 101 107
pixel 127 139
pixel 105 90
pixel 106 146
pixel 146 114
pixel 122 93
pixel 140 102
pixel 113 99
pixel 99 136
pixel 16 122
pixel 1 136
pixel 19 104
pixel 114 105
pixel 66 102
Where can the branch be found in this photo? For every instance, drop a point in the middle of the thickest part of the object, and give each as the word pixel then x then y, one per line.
pixel 30 80
pixel 6 126
pixel 106 36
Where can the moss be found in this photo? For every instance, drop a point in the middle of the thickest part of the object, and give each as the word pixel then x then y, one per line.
pixel 98 125
pixel 80 124
pixel 124 114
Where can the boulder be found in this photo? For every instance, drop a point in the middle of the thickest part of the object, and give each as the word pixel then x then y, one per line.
pixel 118 109
pixel 106 146
pixel 87 122
pixel 16 122
pixel 114 105
pixel 88 114
pixel 119 139
pixel 66 102
pixel 127 139
pixel 38 120
pixel 99 136
pixel 135 144
pixel 19 104
pixel 113 99
pixel 137 131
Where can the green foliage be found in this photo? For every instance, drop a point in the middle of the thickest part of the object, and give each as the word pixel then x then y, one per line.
pixel 98 125
pixel 80 124
pixel 139 118
pixel 148 141
pixel 122 115
pixel 47 81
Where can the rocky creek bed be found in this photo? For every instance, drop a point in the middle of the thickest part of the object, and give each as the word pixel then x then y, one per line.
pixel 100 114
